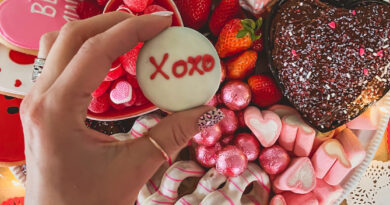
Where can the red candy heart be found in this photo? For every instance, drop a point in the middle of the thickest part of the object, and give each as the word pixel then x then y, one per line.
pixel 129 60
pixel 100 104
pixel 114 73
pixel 103 87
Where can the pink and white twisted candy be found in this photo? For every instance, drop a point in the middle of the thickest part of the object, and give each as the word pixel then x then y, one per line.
pixel 207 184
pixel 173 177
pixel 233 191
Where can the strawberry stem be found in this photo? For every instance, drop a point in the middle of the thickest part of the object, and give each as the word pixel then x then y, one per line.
pixel 251 27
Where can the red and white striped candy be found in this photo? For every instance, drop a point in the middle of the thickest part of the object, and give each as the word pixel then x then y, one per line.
pixel 207 184
pixel 173 177
pixel 233 191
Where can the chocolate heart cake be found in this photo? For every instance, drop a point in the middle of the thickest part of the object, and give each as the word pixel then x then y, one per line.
pixel 330 62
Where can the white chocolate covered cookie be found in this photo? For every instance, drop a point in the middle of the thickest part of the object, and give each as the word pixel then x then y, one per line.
pixel 178 69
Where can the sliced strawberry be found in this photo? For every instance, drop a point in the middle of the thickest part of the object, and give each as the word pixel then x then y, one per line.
pixel 88 8
pixel 100 104
pixel 136 5
pixel 154 8
pixel 103 87
pixel 129 60
pixel 224 12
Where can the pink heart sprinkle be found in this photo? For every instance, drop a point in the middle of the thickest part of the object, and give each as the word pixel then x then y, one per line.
pixel 380 53
pixel 361 51
pixel 332 25
pixel 294 53
pixel 122 92
pixel 353 12
pixel 365 71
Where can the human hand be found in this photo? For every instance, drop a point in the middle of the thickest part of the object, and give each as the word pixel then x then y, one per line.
pixel 68 163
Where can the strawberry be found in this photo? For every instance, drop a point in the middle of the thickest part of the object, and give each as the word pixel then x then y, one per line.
pixel 258 45
pixel 136 5
pixel 241 66
pixel 129 60
pixel 102 2
pixel 88 8
pixel 264 90
pixel 223 71
pixel 194 13
pixel 224 12
pixel 153 8
pixel 237 36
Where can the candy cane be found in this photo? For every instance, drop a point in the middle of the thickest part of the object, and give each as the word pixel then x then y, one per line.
pixel 233 191
pixel 207 184
pixel 173 177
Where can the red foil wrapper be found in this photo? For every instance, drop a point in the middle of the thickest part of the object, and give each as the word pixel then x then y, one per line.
pixel 231 161
pixel 274 160
pixel 248 144
pixel 207 156
pixel 229 124
pixel 236 95
pixel 208 136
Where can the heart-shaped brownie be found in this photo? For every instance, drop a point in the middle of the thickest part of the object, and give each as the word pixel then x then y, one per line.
pixel 331 62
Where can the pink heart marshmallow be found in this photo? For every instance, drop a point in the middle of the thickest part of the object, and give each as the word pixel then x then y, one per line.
pixel 355 152
pixel 265 125
pixel 299 177
pixel 122 92
pixel 296 135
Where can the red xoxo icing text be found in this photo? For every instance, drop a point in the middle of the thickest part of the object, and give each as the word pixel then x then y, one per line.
pixel 199 64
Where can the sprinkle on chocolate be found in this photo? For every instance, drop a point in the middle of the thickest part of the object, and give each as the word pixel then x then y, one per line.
pixel 338 70
pixel 332 25
pixel 361 52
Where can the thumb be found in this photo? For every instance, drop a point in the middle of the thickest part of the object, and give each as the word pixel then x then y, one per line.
pixel 174 132
pixel 141 158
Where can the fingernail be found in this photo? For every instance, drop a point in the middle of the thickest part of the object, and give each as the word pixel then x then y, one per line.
pixel 163 13
pixel 210 118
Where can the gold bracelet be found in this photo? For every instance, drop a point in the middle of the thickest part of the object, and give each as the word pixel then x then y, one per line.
pixel 166 156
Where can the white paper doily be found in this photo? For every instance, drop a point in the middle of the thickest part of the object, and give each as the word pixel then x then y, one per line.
pixel 374 186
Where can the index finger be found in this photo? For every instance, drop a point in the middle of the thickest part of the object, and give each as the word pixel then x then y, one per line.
pixel 92 62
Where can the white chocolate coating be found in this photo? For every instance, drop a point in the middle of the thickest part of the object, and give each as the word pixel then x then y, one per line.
pixel 180 87
pixel 207 184
pixel 232 192
pixel 173 177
